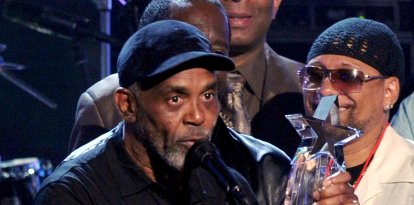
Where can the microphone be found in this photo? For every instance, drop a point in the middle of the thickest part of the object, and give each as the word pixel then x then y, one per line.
pixel 207 155
pixel 51 21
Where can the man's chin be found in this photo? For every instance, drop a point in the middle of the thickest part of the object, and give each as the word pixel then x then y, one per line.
pixel 348 121
pixel 239 46
pixel 177 165
pixel 176 158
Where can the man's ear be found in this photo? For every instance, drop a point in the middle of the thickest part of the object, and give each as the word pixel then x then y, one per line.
pixel 276 5
pixel 392 91
pixel 126 103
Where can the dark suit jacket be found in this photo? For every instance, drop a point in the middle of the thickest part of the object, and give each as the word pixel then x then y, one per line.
pixel 273 91
pixel 96 112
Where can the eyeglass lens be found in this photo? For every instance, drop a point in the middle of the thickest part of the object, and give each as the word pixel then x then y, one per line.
pixel 345 80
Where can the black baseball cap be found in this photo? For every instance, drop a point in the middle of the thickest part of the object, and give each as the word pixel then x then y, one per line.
pixel 163 48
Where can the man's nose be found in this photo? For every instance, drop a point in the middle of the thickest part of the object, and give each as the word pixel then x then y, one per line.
pixel 195 114
pixel 327 88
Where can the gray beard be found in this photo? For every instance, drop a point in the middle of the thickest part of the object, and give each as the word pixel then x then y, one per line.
pixel 155 142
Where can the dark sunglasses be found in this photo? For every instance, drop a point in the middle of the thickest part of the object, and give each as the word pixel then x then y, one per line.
pixel 343 79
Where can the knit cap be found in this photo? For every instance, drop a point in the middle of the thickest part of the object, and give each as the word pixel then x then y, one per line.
pixel 365 40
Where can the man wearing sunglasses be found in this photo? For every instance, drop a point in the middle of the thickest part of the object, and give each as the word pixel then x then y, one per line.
pixel 362 62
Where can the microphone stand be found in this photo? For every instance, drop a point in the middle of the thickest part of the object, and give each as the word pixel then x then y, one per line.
pixel 8 76
pixel 105 7
pixel 4 72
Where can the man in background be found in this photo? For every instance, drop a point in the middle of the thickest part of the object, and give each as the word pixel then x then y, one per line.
pixel 271 88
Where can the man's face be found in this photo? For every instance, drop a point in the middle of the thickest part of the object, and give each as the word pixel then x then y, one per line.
pixel 250 20
pixel 177 112
pixel 362 110
pixel 210 19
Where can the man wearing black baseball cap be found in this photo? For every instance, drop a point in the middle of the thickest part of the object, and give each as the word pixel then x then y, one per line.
pixel 168 102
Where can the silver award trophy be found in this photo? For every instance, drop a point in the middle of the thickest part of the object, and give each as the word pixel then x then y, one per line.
pixel 320 153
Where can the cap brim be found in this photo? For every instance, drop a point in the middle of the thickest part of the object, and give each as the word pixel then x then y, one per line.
pixel 210 61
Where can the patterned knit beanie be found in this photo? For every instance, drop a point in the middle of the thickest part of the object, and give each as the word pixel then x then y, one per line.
pixel 365 40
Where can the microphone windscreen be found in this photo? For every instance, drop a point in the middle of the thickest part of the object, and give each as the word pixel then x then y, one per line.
pixel 200 150
pixel 207 155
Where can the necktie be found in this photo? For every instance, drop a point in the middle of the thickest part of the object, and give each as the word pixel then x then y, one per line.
pixel 233 112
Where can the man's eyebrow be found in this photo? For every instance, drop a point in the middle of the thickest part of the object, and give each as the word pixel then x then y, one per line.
pixel 211 85
pixel 176 89
pixel 184 90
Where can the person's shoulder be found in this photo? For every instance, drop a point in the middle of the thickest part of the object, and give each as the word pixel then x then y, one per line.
pixel 74 182
pixel 409 144
pixel 84 156
pixel 279 59
pixel 88 172
pixel 397 148
pixel 92 148
pixel 394 160
pixel 260 148
pixel 409 99
pixel 407 107
pixel 60 193
pixel 103 88
pixel 81 170
pixel 403 119
pixel 399 140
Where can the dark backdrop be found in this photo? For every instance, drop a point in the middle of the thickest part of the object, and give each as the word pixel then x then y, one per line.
pixel 29 128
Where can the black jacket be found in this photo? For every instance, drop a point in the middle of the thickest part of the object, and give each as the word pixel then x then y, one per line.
pixel 264 166
pixel 101 172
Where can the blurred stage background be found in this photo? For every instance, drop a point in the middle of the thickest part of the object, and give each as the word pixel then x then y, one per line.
pixel 30 128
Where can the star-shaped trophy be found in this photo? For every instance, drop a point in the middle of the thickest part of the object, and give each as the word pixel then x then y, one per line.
pixel 320 153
